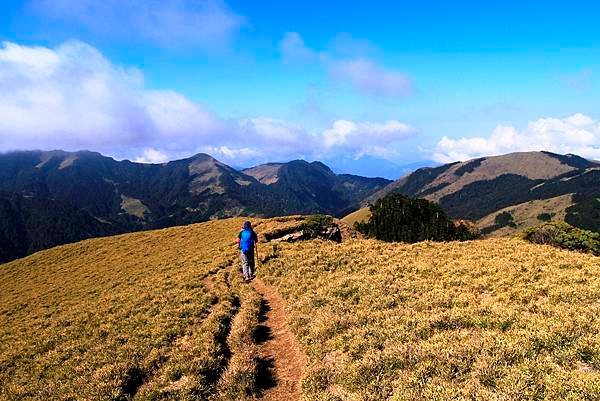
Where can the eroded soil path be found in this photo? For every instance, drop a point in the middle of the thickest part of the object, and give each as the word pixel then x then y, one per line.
pixel 284 361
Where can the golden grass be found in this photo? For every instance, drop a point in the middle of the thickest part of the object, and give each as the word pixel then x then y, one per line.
pixel 361 215
pixel 153 316
pixel 120 317
pixel 526 214
pixel 491 320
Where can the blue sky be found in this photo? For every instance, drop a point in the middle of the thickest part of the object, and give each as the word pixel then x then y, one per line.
pixel 256 81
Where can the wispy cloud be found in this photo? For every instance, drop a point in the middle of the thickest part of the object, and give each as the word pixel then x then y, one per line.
pixel 206 24
pixel 580 81
pixel 294 50
pixel 577 134
pixel 72 97
pixel 348 63
pixel 371 79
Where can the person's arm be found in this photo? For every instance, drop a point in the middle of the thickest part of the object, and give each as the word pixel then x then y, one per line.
pixel 254 237
pixel 239 238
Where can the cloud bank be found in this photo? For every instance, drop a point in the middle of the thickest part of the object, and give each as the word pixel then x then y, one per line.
pixel 577 134
pixel 72 97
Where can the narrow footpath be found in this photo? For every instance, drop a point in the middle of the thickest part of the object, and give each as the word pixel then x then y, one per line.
pixel 284 361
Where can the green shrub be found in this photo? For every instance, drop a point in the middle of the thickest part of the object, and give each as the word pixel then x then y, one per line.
pixel 563 235
pixel 545 216
pixel 465 230
pixel 316 224
pixel 400 218
pixel 505 219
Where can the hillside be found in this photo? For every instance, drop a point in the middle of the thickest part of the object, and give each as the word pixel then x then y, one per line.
pixel 126 196
pixel 163 315
pixel 317 186
pixel 526 215
pixel 29 224
pixel 491 319
pixel 361 215
pixel 478 188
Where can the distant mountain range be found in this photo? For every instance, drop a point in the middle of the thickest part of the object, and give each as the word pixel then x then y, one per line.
pixel 527 187
pixel 369 166
pixel 49 198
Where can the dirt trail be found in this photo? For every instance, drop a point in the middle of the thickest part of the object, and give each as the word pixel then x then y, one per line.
pixel 284 361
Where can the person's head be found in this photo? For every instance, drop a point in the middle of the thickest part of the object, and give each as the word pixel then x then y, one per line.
pixel 247 225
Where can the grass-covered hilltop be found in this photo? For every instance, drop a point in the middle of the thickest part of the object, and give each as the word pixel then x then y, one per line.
pixel 164 314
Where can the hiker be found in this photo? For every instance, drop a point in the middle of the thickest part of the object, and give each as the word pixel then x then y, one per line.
pixel 247 240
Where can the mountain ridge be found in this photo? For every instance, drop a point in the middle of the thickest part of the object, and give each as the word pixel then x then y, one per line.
pixel 476 188
pixel 134 196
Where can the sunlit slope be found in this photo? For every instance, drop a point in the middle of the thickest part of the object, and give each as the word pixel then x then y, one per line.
pixel 121 317
pixel 360 215
pixel 132 317
pixel 495 319
pixel 526 215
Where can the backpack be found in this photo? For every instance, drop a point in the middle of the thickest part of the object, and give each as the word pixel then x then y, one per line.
pixel 246 241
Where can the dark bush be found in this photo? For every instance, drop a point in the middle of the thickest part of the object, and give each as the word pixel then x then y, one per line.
pixel 563 235
pixel 545 216
pixel 317 224
pixel 400 218
pixel 505 219
pixel 465 230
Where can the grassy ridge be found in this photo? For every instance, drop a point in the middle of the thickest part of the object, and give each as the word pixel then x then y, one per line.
pixel 154 316
pixel 492 319
pixel 125 317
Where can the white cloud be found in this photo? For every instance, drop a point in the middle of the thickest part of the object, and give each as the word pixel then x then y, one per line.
pixel 276 133
pixel 578 134
pixel 151 155
pixel 68 97
pixel 365 137
pixel 72 98
pixel 207 24
pixel 235 155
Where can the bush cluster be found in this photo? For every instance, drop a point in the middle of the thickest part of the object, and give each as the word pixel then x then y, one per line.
pixel 316 224
pixel 505 219
pixel 398 218
pixel 563 235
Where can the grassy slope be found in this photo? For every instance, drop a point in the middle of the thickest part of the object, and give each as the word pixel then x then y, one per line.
pixel 131 317
pixel 495 319
pixel 526 214
pixel 123 317
pixel 362 214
